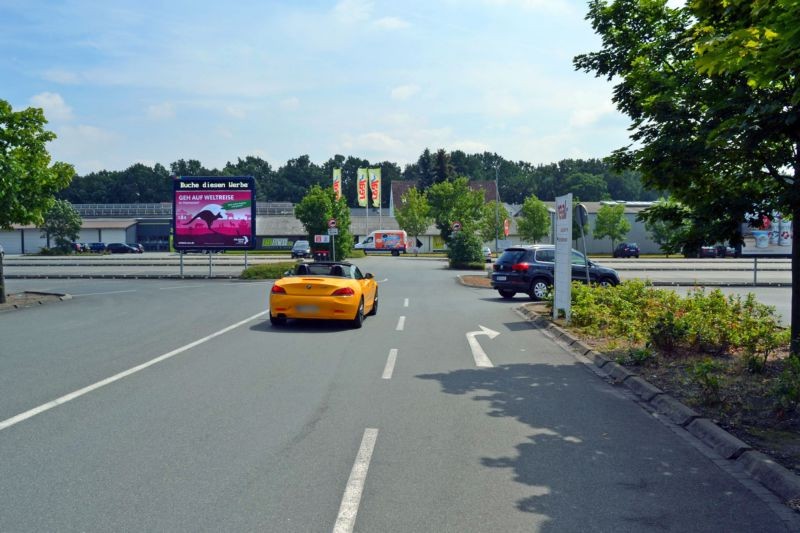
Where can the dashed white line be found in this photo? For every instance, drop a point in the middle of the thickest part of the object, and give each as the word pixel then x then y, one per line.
pixel 355 485
pixel 405 302
pixel 78 393
pixel 401 323
pixel 387 371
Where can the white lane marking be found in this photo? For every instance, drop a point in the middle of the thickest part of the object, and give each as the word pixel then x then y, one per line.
pixel 355 485
pixel 100 293
pixel 405 302
pixel 180 287
pixel 481 359
pixel 401 323
pixel 384 280
pixel 71 396
pixel 387 372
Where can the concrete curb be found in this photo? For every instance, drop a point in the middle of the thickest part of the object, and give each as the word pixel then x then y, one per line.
pixel 777 479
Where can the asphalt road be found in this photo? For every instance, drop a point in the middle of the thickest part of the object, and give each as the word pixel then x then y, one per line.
pixel 318 427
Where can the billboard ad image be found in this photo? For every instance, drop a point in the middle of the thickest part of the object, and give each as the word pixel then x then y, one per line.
pixel 767 236
pixel 216 213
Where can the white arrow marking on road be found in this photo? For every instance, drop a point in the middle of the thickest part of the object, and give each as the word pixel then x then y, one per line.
pixel 481 359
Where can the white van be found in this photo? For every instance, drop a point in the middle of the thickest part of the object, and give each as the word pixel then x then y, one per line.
pixel 387 240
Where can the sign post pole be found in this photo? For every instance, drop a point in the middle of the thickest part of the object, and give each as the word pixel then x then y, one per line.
pixel 563 259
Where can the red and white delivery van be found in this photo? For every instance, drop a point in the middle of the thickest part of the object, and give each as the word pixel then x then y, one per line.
pixel 387 240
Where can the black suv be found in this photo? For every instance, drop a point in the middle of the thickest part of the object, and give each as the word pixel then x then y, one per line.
pixel 627 249
pixel 529 269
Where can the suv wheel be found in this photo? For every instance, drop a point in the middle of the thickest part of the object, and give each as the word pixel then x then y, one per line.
pixel 607 282
pixel 539 289
pixel 506 294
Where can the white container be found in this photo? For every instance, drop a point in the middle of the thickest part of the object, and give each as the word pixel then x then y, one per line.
pixel 786 233
pixel 762 238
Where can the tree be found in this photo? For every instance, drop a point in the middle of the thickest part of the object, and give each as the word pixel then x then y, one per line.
pixel 464 248
pixel 414 215
pixel 591 187
pixel 28 180
pixel 443 168
pixel 453 201
pixel 317 208
pixel 424 169
pixel 671 225
pixel 63 224
pixel 533 223
pixel 712 91
pixel 492 218
pixel 611 223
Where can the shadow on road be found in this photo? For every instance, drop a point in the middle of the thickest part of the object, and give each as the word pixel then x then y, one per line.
pixel 594 460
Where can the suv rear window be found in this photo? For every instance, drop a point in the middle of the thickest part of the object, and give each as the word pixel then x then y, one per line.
pixel 512 256
pixel 546 256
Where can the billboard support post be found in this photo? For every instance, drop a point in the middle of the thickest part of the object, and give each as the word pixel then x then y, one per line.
pixel 181 256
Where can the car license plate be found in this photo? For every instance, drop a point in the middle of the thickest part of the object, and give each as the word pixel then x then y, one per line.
pixel 500 278
pixel 308 309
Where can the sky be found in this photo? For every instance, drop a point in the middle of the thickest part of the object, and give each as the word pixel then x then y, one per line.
pixel 125 82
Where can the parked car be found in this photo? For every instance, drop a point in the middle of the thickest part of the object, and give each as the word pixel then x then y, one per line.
pixel 97 247
pixel 121 248
pixel 77 247
pixel 301 249
pixel 530 270
pixel 2 252
pixel 324 291
pixel 137 246
pixel 487 254
pixel 626 249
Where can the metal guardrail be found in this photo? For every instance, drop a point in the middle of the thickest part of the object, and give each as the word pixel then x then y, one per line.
pixel 165 210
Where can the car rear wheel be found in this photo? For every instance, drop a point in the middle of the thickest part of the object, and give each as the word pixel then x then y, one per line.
pixel 277 320
pixel 374 310
pixel 607 282
pixel 506 294
pixel 539 289
pixel 358 321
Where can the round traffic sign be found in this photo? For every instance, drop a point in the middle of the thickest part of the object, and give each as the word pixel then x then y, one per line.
pixel 456 226
pixel 505 227
pixel 332 223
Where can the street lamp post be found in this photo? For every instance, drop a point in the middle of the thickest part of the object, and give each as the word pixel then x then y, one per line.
pixel 496 210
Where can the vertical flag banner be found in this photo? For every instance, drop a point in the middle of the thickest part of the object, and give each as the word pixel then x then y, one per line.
pixel 375 186
pixel 337 182
pixel 362 187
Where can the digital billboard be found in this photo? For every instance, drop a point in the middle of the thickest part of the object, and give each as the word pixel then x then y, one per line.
pixel 767 236
pixel 213 213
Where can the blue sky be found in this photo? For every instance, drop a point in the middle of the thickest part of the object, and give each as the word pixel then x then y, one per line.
pixel 142 81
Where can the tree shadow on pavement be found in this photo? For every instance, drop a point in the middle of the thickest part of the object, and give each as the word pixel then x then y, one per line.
pixel 595 460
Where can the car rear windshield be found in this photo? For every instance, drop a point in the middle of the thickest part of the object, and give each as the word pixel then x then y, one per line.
pixel 512 256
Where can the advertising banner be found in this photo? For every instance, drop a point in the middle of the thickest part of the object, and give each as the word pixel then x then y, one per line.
pixel 767 236
pixel 375 186
pixel 337 182
pixel 214 213
pixel 563 265
pixel 362 187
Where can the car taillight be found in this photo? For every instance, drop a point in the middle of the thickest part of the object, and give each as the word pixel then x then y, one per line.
pixel 519 267
pixel 277 289
pixel 345 291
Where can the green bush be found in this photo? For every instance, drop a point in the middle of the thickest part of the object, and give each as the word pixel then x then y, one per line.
pixel 703 373
pixel 267 270
pixel 787 389
pixel 464 248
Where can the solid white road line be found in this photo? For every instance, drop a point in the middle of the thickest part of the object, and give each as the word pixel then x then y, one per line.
pixel 71 396
pixel 180 287
pixel 401 323
pixel 405 302
pixel 355 485
pixel 101 293
pixel 387 372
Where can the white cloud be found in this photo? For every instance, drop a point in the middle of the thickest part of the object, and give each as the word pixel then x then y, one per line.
pixel 562 7
pixel 236 111
pixel 63 76
pixel 353 11
pixel 53 104
pixel 290 104
pixel 586 116
pixel 162 111
pixel 83 134
pixel 391 23
pixel 404 92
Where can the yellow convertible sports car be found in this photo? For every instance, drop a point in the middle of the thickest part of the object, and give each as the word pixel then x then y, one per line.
pixel 324 291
